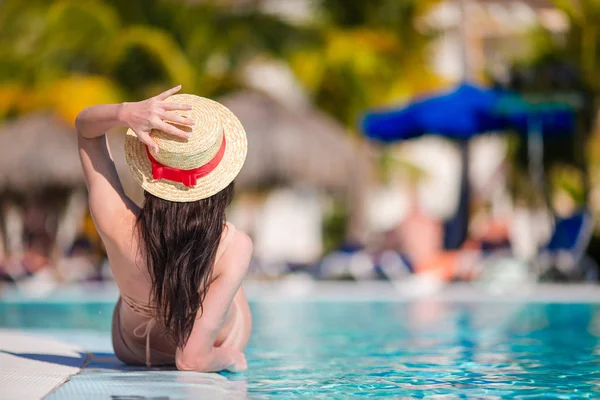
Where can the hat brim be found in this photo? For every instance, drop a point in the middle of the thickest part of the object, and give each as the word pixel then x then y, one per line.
pixel 217 180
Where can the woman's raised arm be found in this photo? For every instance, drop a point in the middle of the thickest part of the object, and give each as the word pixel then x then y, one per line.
pixel 107 199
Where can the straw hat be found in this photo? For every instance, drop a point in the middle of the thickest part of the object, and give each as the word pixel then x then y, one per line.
pixel 191 169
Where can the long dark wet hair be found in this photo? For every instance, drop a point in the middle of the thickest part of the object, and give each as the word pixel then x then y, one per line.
pixel 180 242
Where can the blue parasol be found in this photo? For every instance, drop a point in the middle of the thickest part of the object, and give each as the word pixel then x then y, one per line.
pixel 465 112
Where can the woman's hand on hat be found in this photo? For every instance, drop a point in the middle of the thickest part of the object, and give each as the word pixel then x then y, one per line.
pixel 146 115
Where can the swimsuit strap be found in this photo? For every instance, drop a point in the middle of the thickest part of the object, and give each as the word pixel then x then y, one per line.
pixel 146 311
pixel 147 326
pixel 143 309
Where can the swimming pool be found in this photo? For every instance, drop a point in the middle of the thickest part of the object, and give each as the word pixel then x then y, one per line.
pixel 432 348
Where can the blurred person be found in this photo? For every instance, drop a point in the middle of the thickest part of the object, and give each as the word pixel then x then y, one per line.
pixel 418 239
pixel 22 266
pixel 80 265
pixel 178 264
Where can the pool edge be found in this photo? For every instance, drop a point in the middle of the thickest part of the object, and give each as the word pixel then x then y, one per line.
pixel 35 365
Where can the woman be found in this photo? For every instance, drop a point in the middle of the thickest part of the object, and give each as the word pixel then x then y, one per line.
pixel 178 264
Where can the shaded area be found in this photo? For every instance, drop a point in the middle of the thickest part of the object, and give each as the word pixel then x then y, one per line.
pixel 106 377
pixel 97 360
pixel 67 361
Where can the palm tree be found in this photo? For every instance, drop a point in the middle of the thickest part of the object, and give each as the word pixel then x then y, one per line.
pixel 68 54
pixel 583 37
pixel 570 64
pixel 369 53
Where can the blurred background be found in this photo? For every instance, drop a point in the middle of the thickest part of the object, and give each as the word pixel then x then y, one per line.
pixel 388 139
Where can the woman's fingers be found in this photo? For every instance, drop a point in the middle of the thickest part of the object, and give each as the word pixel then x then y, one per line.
pixel 147 140
pixel 173 130
pixel 175 106
pixel 179 119
pixel 167 93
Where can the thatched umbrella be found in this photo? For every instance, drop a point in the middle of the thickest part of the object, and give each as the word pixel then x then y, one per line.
pixel 285 146
pixel 38 154
pixel 40 150
pixel 293 147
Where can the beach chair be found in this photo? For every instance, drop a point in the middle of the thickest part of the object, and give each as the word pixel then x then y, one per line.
pixel 564 257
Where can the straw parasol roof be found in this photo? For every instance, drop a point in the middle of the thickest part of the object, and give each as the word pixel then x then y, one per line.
pixel 294 147
pixel 285 146
pixel 40 150
pixel 300 147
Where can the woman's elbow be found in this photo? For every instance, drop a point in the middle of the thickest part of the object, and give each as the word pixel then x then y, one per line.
pixel 196 364
pixel 190 365
pixel 82 122
pixel 184 366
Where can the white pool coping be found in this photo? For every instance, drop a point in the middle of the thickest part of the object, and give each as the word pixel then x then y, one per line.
pixel 32 366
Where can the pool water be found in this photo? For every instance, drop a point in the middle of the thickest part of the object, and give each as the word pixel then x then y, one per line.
pixel 411 349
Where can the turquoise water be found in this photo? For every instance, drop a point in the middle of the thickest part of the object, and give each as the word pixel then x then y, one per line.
pixel 421 349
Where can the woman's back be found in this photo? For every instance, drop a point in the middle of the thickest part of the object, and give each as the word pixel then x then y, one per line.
pixel 131 271
pixel 137 338
pixel 178 265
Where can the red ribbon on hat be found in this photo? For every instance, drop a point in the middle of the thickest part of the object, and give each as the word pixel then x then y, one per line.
pixel 188 177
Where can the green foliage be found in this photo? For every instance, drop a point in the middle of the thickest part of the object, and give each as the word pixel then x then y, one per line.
pixel 335 226
pixel 138 46
pixel 144 55
pixel 579 45
pixel 568 179
pixel 354 54
pixel 573 59
pixel 370 53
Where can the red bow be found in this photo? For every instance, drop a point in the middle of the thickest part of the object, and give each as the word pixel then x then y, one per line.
pixel 188 177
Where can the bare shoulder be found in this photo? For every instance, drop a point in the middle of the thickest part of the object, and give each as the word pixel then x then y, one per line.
pixel 236 259
pixel 242 242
